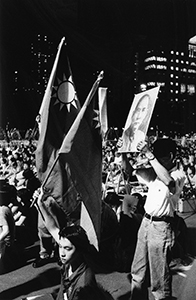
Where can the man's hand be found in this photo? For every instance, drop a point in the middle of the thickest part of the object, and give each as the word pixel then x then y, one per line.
pixel 142 146
pixel 119 144
pixel 37 196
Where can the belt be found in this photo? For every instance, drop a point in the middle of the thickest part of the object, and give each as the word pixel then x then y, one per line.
pixel 167 219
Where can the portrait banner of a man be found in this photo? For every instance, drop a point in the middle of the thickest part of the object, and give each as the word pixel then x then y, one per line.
pixel 138 119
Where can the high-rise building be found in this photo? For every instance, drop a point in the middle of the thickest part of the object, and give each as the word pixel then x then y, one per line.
pixel 31 77
pixel 175 72
pixel 42 55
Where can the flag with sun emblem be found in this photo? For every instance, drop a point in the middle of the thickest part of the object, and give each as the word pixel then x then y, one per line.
pixel 59 109
pixel 82 149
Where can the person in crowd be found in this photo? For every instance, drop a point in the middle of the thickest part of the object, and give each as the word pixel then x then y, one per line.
pixel 191 176
pixel 77 257
pixel 188 287
pixel 109 233
pixel 48 247
pixel 182 259
pixel 129 223
pixel 156 235
pixel 47 251
pixel 114 201
pixel 7 226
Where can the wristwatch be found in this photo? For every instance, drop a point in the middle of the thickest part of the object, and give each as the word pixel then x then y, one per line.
pixel 150 155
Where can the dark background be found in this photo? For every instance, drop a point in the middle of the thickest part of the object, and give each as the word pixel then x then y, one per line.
pixel 101 35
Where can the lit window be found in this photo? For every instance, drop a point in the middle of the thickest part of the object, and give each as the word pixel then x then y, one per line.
pixel 191 89
pixel 183 88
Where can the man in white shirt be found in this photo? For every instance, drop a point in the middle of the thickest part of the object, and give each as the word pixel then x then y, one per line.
pixel 156 235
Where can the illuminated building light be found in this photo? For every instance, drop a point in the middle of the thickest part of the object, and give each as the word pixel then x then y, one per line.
pixel 191 89
pixel 191 71
pixel 153 66
pixel 151 83
pixel 192 46
pixel 154 58
pixel 182 88
pixel 161 83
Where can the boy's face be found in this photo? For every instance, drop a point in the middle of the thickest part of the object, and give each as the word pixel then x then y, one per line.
pixel 67 251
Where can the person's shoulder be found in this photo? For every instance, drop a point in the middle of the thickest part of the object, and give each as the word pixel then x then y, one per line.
pixel 89 274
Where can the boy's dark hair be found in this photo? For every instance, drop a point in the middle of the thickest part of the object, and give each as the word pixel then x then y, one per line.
pixel 112 199
pixel 77 236
pixel 163 147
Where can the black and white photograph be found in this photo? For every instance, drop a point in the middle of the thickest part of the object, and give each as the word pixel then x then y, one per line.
pixel 97 149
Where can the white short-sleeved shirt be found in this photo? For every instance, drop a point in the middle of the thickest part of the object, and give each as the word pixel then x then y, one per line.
pixel 159 201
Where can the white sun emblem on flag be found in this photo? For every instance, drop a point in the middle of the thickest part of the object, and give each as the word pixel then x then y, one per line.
pixel 97 119
pixel 64 93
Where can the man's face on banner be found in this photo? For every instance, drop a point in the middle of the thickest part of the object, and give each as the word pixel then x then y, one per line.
pixel 140 112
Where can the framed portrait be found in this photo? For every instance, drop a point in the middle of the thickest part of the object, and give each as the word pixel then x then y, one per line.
pixel 138 119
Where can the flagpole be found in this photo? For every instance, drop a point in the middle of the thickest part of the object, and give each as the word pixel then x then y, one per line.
pixel 50 81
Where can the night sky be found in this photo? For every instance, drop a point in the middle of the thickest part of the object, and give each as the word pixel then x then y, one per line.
pixel 101 35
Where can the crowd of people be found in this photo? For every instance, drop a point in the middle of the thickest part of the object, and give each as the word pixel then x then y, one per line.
pixel 141 231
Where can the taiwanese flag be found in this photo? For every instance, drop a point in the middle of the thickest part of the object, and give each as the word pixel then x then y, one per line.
pixel 59 109
pixel 82 150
